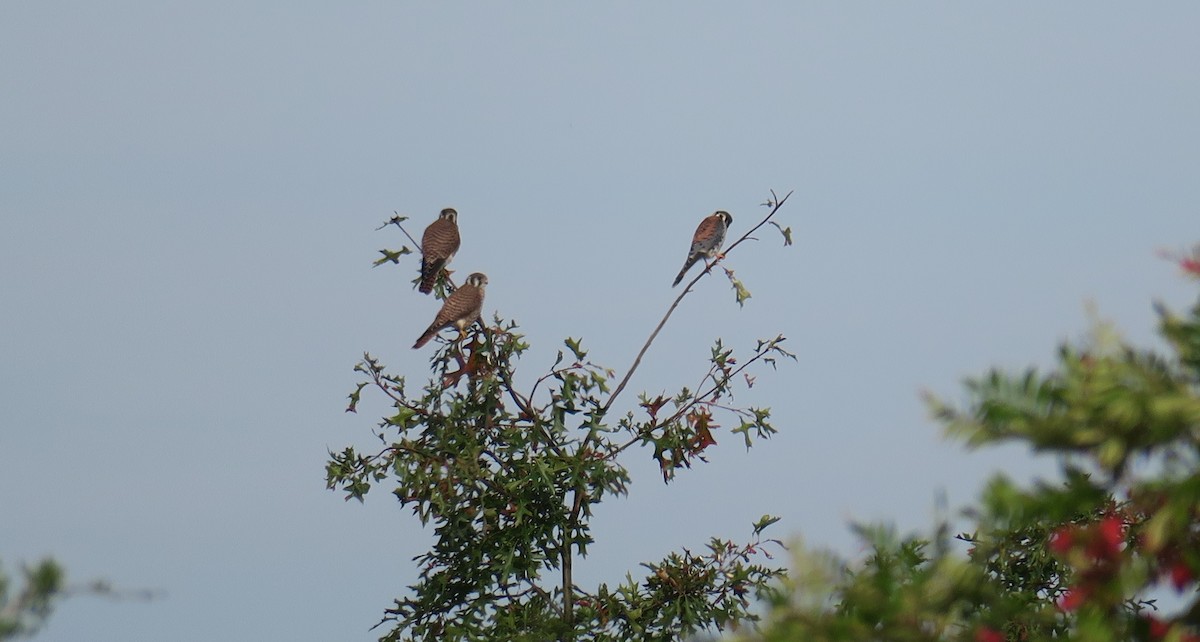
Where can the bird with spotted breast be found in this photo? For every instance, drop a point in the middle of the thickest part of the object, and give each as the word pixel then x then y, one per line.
pixel 460 309
pixel 707 241
pixel 438 245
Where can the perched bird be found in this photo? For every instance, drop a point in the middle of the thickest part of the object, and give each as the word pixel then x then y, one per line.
pixel 707 241
pixel 460 310
pixel 438 245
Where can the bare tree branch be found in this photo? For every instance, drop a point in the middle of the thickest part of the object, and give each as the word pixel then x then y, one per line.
pixel 776 203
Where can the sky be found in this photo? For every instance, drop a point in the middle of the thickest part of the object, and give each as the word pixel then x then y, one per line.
pixel 188 209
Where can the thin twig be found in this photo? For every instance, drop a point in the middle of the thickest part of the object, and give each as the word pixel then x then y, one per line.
pixel 382 384
pixel 568 562
pixel 637 361
pixel 578 365
pixel 526 406
pixel 523 404
pixel 414 241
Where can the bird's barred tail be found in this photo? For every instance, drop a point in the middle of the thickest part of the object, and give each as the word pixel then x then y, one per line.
pixel 429 334
pixel 429 274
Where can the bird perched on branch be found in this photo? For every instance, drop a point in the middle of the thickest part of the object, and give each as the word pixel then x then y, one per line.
pixel 707 241
pixel 460 310
pixel 438 245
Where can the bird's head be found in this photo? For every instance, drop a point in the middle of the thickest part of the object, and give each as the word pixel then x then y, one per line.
pixel 449 214
pixel 725 217
pixel 477 279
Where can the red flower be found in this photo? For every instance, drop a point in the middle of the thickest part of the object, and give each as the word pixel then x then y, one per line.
pixel 988 634
pixel 1073 598
pixel 1112 528
pixel 1106 539
pixel 1062 540
pixel 1181 576
pixel 1191 266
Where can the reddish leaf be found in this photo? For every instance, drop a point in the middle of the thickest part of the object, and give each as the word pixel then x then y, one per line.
pixel 702 440
pixel 652 407
pixel 667 467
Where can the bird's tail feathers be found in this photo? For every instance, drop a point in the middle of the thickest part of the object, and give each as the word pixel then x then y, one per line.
pixel 429 274
pixel 429 334
pixel 687 265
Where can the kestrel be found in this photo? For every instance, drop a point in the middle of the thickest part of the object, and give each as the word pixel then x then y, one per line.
pixel 707 241
pixel 460 310
pixel 438 245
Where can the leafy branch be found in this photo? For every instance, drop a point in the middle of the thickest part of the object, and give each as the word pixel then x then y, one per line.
pixel 507 481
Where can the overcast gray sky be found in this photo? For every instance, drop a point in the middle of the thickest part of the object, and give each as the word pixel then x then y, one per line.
pixel 188 200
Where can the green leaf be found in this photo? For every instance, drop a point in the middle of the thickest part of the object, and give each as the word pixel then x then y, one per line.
pixel 763 522
pixel 739 289
pixel 574 346
pixel 354 397
pixel 785 231
pixel 390 256
pixel 402 417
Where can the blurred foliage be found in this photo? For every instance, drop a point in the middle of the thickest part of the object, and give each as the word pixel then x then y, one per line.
pixel 24 609
pixel 1075 559
pixel 508 477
